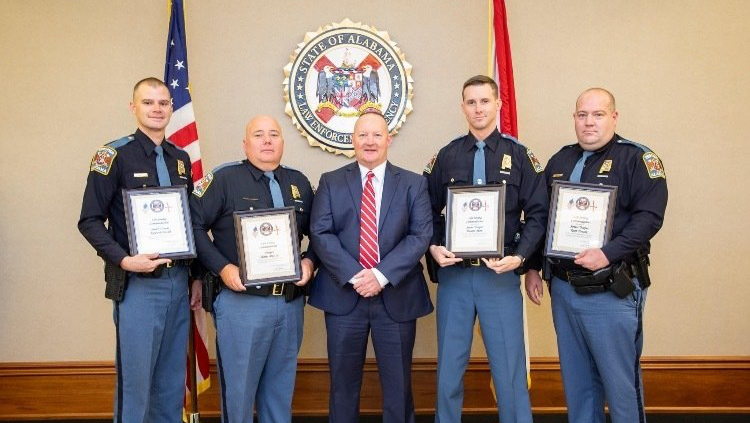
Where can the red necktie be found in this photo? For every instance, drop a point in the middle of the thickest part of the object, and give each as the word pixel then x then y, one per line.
pixel 368 226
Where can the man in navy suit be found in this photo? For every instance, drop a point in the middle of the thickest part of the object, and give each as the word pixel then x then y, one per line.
pixel 370 222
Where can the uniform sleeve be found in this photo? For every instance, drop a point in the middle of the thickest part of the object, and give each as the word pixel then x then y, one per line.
pixel 307 199
pixel 648 204
pixel 437 200
pixel 97 197
pixel 534 202
pixel 205 211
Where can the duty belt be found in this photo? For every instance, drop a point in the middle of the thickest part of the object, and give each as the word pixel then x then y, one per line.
pixel 470 263
pixel 160 268
pixel 584 277
pixel 275 290
pixel 288 291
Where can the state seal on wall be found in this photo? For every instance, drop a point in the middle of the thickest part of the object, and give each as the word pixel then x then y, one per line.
pixel 339 72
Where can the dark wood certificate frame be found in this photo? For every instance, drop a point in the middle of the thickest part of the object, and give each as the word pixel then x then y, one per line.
pixel 242 254
pixel 557 186
pixel 127 195
pixel 453 191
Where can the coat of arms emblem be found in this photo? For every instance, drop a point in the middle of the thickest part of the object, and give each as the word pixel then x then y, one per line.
pixel 339 72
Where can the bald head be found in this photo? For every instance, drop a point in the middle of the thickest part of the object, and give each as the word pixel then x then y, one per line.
pixel 595 118
pixel 600 91
pixel 263 142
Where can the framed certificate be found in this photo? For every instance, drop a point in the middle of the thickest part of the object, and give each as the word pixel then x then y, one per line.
pixel 158 221
pixel 580 217
pixel 475 221
pixel 267 246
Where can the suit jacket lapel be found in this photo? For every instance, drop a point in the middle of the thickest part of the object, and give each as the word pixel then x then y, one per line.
pixel 390 184
pixel 354 180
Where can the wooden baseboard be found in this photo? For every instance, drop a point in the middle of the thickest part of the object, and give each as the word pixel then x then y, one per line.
pixel 81 390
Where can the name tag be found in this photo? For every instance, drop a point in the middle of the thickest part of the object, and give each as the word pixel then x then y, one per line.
pixel 140 175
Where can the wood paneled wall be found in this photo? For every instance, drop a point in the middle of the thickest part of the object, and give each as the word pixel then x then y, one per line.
pixel 55 390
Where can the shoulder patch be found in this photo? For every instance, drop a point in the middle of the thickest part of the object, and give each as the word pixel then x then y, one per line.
pixel 200 187
pixel 538 168
pixel 428 167
pixel 653 165
pixel 102 160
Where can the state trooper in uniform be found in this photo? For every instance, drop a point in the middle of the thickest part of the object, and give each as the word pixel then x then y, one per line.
pixel 598 298
pixel 489 289
pixel 258 329
pixel 150 294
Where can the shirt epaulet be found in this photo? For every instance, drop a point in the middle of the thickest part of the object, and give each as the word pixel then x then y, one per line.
pixel 290 168
pixel 512 138
pixel 177 147
pixel 226 165
pixel 457 139
pixel 641 146
pixel 120 141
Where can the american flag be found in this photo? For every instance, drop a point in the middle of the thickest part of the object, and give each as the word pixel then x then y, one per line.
pixel 181 129
pixel 183 132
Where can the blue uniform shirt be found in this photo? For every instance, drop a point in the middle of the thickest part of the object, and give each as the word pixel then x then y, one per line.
pixel 240 186
pixel 506 162
pixel 129 162
pixel 641 191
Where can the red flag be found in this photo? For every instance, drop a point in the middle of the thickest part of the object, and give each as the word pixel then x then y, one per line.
pixel 501 68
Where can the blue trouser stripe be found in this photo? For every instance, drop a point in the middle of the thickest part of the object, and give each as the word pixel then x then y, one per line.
pixel 222 382
pixel 637 365
pixel 118 360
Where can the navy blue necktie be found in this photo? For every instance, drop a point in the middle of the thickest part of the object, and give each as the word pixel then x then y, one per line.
pixel 161 167
pixel 278 199
pixel 479 172
pixel 575 176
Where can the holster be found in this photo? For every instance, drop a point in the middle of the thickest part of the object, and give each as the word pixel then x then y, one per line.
pixel 293 291
pixel 116 280
pixel 622 280
pixel 641 266
pixel 546 269
pixel 210 289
